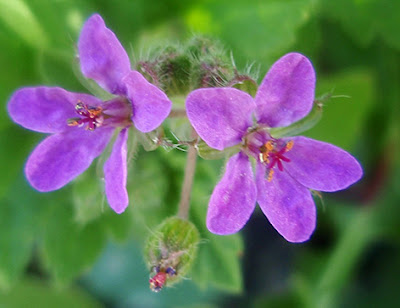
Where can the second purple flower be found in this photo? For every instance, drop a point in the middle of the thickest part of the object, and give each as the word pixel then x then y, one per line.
pixel 286 168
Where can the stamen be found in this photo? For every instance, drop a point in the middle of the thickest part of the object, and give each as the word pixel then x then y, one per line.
pixel 95 111
pixel 269 146
pixel 289 146
pixel 270 174
pixel 80 106
pixel 74 122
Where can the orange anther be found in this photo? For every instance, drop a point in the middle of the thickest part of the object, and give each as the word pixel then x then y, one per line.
pixel 95 112
pixel 73 122
pixel 270 175
pixel 289 146
pixel 269 146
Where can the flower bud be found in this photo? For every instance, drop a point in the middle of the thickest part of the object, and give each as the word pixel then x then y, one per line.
pixel 178 69
pixel 170 251
pixel 175 73
pixel 212 67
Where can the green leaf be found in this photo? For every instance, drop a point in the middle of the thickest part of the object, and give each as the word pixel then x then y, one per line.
pixel 149 184
pixel 62 20
pixel 16 240
pixel 14 55
pixel 218 261
pixel 18 16
pixel 351 102
pixel 256 30
pixel 90 204
pixel 36 293
pixel 21 217
pixel 90 85
pixel 365 20
pixel 15 144
pixel 309 38
pixel 68 247
pixel 55 69
pixel 88 197
pixel 118 225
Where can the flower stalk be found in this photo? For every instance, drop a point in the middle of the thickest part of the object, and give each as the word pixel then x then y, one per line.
pixel 190 169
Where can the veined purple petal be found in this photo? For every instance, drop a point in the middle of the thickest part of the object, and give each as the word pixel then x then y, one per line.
pixel 115 174
pixel 234 197
pixel 221 116
pixel 287 204
pixel 286 94
pixel 321 166
pixel 101 55
pixel 45 109
pixel 60 158
pixel 150 105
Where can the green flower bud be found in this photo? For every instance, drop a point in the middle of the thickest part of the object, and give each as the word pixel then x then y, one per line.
pixel 247 85
pixel 170 251
pixel 212 67
pixel 175 74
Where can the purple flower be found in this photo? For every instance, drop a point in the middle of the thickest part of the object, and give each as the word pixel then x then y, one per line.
pixel 82 125
pixel 286 168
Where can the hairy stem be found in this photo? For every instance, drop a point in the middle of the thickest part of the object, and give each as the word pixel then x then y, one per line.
pixel 177 113
pixel 184 203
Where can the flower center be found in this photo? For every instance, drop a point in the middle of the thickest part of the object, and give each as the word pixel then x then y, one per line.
pixel 92 116
pixel 272 155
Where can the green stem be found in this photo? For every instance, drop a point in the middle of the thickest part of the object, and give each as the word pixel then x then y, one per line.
pixel 177 113
pixel 184 204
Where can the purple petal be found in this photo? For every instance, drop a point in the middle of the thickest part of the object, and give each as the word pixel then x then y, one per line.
pixel 101 55
pixel 321 166
pixel 45 109
pixel 115 174
pixel 221 116
pixel 60 158
pixel 286 94
pixel 234 198
pixel 287 204
pixel 150 105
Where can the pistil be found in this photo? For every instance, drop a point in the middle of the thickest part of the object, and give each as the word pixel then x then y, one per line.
pixel 273 157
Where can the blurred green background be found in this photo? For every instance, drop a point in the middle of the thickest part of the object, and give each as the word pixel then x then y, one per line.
pixel 67 249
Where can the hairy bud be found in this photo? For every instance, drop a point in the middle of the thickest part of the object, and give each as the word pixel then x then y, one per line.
pixel 170 252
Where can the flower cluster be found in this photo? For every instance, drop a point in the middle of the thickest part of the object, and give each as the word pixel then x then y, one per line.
pixel 287 168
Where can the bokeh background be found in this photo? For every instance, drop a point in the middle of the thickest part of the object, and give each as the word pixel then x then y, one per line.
pixel 67 249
